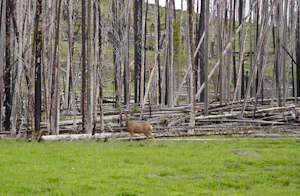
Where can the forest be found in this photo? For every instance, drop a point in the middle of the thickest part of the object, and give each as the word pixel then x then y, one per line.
pixel 218 67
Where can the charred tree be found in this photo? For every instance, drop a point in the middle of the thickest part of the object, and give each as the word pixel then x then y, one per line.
pixel 38 62
pixel 137 47
pixel 7 83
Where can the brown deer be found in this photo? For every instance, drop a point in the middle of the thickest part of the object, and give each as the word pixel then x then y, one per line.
pixel 134 127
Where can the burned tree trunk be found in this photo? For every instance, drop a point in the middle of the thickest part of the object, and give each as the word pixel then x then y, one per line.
pixel 38 62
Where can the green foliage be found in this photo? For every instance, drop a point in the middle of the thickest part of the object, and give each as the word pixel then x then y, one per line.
pixel 164 168
pixel 135 108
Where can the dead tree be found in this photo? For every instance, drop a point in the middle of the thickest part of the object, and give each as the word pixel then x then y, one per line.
pixel 38 62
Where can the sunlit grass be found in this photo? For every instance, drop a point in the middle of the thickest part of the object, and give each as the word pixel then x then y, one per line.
pixel 164 168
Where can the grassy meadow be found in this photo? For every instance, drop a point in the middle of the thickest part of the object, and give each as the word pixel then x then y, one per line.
pixel 164 168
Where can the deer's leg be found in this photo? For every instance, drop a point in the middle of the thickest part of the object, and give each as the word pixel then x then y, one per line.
pixel 147 136
pixel 131 135
pixel 152 137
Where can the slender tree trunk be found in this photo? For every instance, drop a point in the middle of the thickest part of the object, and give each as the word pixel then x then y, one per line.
pixel 171 53
pixel 143 36
pixel 90 69
pixel 69 54
pixel 83 69
pixel 283 55
pixel 233 45
pixel 57 71
pixel 179 49
pixel 156 50
pixel 137 48
pixel 191 35
pixel 277 55
pixel 38 62
pixel 100 68
pixel 298 49
pixel 241 10
pixel 7 84
pixel 220 51
pixel 206 59
pixel 201 50
pixel 2 35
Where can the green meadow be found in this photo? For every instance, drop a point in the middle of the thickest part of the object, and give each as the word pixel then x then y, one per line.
pixel 164 168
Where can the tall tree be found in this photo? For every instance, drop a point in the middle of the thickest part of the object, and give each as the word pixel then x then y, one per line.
pixel 241 34
pixel 83 67
pixel 7 84
pixel 206 60
pixel 191 35
pixel 298 49
pixel 2 35
pixel 137 25
pixel 201 50
pixel 90 69
pixel 38 62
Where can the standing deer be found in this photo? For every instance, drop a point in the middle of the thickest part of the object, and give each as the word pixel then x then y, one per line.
pixel 134 127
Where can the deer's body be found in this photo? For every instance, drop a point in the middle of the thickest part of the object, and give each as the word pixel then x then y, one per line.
pixel 134 127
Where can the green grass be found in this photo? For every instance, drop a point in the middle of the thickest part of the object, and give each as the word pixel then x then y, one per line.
pixel 164 168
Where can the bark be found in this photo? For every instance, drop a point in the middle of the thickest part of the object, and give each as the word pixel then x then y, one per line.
pixel 283 55
pixel 100 68
pixel 83 69
pixel 241 8
pixel 38 62
pixel 220 51
pixel 127 20
pixel 202 62
pixel 156 51
pixel 69 54
pixel 137 47
pixel 90 69
pixel 298 50
pixel 2 35
pixel 179 50
pixel 192 58
pixel 206 60
pixel 56 105
pixel 7 84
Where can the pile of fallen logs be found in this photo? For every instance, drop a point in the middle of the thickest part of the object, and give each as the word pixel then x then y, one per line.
pixel 226 119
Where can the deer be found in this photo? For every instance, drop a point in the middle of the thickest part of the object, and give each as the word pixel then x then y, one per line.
pixel 134 127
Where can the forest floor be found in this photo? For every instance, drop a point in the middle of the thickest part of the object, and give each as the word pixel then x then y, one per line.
pixel 212 167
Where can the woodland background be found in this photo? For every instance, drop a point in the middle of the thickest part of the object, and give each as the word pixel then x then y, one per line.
pixel 84 60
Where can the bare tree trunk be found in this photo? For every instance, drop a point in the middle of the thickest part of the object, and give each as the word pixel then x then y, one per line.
pixel 7 84
pixel 179 50
pixel 83 69
pixel 283 55
pixel 277 54
pixel 100 68
pixel 206 59
pixel 142 78
pixel 220 51
pixel 241 59
pixel 201 50
pixel 156 51
pixel 56 112
pixel 90 69
pixel 171 52
pixel 191 35
pixel 137 48
pixel 69 54
pixel 298 50
pixel 2 26
pixel 127 79
pixel 38 62
pixel 229 55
